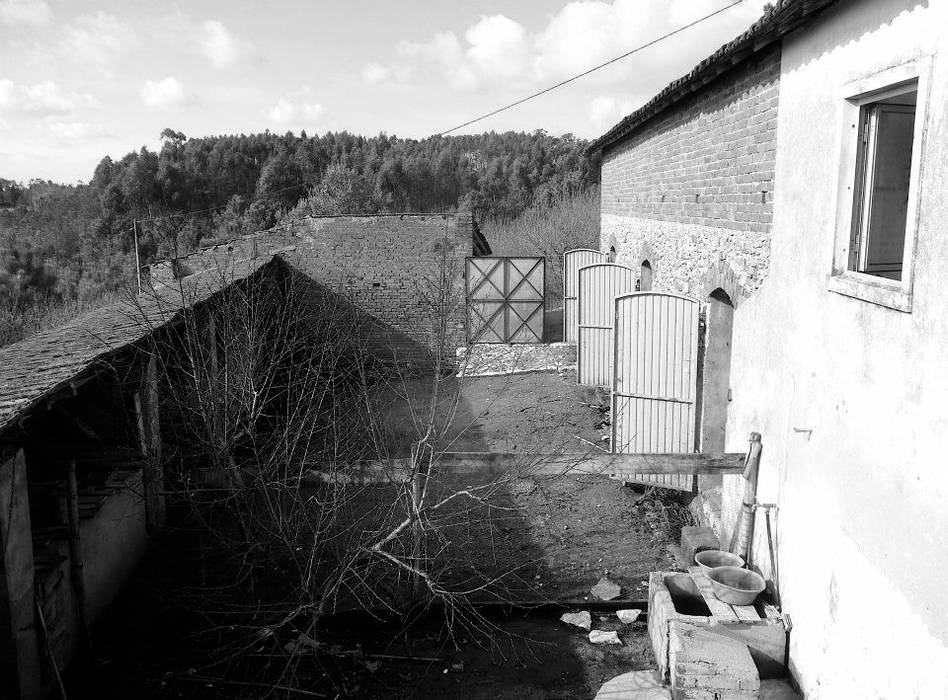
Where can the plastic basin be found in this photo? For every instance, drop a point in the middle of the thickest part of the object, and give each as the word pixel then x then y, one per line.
pixel 713 558
pixel 736 586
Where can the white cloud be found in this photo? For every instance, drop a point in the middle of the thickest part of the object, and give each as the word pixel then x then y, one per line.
pixel 35 13
pixel 294 110
pixel 42 99
pixel 495 47
pixel 220 46
pixel 163 94
pixel 374 73
pixel 497 50
pixel 76 132
pixel 98 39
pixel 499 47
pixel 606 111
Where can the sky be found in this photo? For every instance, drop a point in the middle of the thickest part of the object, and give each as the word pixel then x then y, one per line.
pixel 81 79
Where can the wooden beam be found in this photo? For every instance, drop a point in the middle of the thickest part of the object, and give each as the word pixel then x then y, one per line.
pixel 75 554
pixel 500 464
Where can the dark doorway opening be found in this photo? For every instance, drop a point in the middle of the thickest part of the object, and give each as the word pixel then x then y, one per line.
pixel 645 277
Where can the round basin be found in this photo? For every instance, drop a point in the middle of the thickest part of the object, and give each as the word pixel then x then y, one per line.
pixel 713 558
pixel 736 586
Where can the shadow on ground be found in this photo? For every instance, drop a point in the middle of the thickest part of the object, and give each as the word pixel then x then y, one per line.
pixel 539 539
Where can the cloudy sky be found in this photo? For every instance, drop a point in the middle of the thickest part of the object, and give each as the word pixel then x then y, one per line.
pixel 81 78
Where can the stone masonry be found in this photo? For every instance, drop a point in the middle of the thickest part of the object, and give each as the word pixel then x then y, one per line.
pixel 691 191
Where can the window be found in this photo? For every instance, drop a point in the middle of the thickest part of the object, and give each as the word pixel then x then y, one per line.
pixel 877 210
pixel 612 253
pixel 883 175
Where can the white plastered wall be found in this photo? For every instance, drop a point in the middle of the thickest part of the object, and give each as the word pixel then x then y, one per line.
pixel 851 398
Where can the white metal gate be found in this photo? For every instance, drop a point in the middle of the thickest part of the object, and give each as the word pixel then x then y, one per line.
pixel 572 261
pixel 598 287
pixel 654 385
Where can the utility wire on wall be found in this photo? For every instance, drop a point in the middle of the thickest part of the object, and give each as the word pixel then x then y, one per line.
pixel 591 70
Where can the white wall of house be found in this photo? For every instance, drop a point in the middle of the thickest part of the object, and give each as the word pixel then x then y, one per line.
pixel 851 397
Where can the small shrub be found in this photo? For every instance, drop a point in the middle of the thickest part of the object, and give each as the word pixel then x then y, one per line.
pixel 550 228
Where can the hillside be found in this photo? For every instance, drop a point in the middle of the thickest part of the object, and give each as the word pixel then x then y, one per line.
pixel 76 242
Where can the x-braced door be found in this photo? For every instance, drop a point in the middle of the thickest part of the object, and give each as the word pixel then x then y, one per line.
pixel 598 287
pixel 505 299
pixel 654 384
pixel 572 261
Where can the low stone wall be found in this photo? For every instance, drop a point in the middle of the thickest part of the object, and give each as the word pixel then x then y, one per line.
pixel 492 359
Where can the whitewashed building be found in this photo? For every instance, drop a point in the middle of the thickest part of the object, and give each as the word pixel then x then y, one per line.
pixel 796 182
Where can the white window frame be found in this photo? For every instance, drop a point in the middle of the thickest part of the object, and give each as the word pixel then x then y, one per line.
pixel 895 294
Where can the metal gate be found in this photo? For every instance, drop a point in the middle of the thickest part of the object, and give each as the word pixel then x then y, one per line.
pixel 598 287
pixel 505 299
pixel 572 261
pixel 655 380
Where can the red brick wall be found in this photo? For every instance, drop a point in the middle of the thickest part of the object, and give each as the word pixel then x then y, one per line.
pixel 707 161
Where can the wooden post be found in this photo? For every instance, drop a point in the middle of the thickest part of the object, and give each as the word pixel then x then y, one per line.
pixel 213 370
pixel 21 673
pixel 149 433
pixel 742 539
pixel 138 264
pixel 75 553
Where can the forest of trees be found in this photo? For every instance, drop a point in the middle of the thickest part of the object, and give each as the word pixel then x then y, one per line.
pixel 75 243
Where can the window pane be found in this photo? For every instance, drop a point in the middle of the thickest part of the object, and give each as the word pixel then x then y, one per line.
pixel 888 189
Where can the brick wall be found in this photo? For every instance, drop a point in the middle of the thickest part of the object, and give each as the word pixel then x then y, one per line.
pixel 388 268
pixel 693 187
pixel 391 267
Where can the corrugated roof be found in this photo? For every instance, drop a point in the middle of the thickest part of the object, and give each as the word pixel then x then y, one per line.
pixel 778 20
pixel 41 365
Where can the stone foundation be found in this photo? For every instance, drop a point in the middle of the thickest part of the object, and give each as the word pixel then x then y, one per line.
pixel 494 359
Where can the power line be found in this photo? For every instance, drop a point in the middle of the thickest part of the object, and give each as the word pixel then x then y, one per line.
pixel 591 70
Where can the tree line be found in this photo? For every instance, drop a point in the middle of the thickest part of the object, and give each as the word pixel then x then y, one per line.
pixel 77 241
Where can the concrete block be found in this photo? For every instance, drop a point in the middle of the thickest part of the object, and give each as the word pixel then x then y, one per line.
pixel 697 539
pixel 635 685
pixel 765 638
pixel 704 664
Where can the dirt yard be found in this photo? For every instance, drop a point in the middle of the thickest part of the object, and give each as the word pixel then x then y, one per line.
pixel 582 526
pixel 560 535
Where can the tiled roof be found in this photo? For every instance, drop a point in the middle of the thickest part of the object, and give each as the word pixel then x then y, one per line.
pixel 778 20
pixel 39 366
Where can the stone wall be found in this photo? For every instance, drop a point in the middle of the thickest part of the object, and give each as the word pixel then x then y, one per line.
pixel 403 272
pixel 692 190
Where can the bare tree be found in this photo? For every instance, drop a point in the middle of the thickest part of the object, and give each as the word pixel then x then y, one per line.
pixel 307 500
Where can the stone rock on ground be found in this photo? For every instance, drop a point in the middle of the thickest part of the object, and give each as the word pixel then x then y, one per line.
pixel 604 637
pixel 635 685
pixel 628 616
pixel 606 589
pixel 578 619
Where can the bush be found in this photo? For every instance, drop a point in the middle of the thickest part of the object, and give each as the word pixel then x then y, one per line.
pixel 562 223
pixel 26 316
